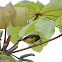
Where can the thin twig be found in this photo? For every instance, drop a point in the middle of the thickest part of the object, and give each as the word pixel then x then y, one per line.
pixel 4 39
pixel 26 55
pixel 38 44
pixel 14 45
pixel 15 56
pixel 11 50
pixel 0 45
pixel 4 47
pixel 5 36
pixel 0 39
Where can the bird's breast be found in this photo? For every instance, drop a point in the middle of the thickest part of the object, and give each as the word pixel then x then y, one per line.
pixel 29 40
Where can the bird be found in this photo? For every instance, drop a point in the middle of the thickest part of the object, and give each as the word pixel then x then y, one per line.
pixel 30 38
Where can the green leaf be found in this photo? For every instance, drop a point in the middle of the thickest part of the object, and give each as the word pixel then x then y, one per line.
pixel 33 8
pixel 27 29
pixel 38 48
pixel 20 60
pixel 3 60
pixel 8 58
pixel 60 29
pixel 60 22
pixel 21 3
pixel 31 28
pixel 46 27
pixel 13 31
pixel 53 10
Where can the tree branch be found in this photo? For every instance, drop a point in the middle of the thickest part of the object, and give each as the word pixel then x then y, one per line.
pixel 38 44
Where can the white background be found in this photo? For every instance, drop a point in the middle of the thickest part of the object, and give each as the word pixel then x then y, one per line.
pixel 50 53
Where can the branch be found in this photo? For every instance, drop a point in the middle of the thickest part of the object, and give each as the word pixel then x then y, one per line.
pixel 4 48
pixel 26 55
pixel 5 36
pixel 15 44
pixel 11 50
pixel 15 56
pixel 4 39
pixel 0 39
pixel 38 44
pixel 0 44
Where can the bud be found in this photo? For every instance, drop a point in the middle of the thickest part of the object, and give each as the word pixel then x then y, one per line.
pixel 21 16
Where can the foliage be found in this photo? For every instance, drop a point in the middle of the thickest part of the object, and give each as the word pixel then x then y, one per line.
pixel 46 17
pixel 13 31
pixel 3 60
pixel 9 59
pixel 26 18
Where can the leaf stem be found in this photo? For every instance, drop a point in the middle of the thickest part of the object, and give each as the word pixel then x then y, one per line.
pixel 26 55
pixel 4 48
pixel 15 44
pixel 15 56
pixel 0 45
pixel 38 44
pixel 12 49
pixel 4 39
pixel 5 36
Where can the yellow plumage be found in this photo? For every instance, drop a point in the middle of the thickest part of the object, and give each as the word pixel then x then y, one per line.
pixel 29 40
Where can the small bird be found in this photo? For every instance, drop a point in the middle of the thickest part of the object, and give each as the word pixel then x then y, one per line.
pixel 30 38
